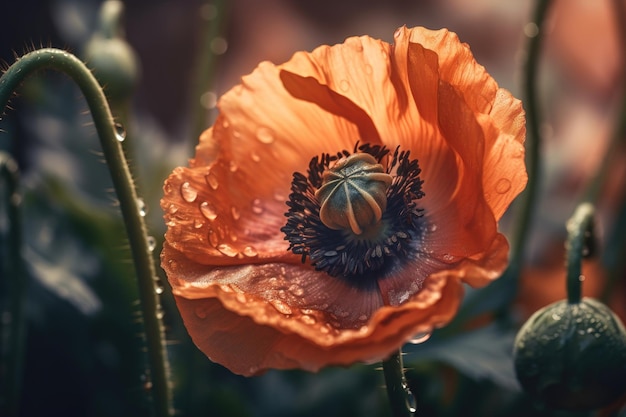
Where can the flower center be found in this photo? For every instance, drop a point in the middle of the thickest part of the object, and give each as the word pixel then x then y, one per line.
pixel 353 193
pixel 355 214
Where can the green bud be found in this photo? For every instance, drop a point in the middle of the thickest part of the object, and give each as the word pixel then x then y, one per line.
pixel 572 355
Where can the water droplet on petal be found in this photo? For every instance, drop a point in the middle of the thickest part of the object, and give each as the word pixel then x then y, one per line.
pixel 120 132
pixel 255 157
pixel 197 224
pixel 211 179
pixel 188 193
pixel 151 243
pixel 344 85
pixel 141 207
pixel 265 135
pixel 281 307
pixel 208 210
pixel 310 320
pixel 257 206
pixel 158 290
pixel 234 211
pixel 233 166
pixel 556 317
pixel 250 252
pixel 279 196
pixel 503 185
pixel 296 290
pixel 447 257
pixel 433 227
pixel 225 124
pixel 213 238
pixel 420 338
pixel 227 250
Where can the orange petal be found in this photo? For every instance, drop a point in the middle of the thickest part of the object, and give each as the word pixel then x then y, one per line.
pixel 505 169
pixel 249 336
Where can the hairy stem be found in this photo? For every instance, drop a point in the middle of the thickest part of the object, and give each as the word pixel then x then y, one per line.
pixel 135 227
pixel 397 388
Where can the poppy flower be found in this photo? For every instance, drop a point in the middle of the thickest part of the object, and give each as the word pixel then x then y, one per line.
pixel 340 201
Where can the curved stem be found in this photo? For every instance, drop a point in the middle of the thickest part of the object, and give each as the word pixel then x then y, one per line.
pixel 580 244
pixel 533 140
pixel 135 227
pixel 12 266
pixel 397 388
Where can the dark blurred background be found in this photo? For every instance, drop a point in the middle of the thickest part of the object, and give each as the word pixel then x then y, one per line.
pixel 84 350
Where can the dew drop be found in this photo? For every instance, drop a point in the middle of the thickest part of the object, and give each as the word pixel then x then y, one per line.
pixel 556 317
pixel 211 179
pixel 151 243
pixel 310 320
pixel 503 185
pixel 213 238
pixel 208 100
pixel 218 45
pixel 411 400
pixel 225 124
pixel 531 30
pixel 120 132
pixel 188 193
pixel 296 290
pixel 255 157
pixel 227 250
pixel 257 206
pixel 233 166
pixel 420 338
pixel 234 211
pixel 250 252
pixel 146 382
pixel 158 290
pixel 344 85
pixel 197 224
pixel 433 227
pixel 279 196
pixel 265 135
pixel 141 207
pixel 281 307
pixel 208 211
pixel 447 257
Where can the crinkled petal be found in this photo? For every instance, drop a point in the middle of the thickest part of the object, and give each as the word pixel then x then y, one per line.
pixel 249 335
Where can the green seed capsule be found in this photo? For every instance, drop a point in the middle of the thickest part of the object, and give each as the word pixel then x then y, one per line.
pixel 353 195
pixel 572 356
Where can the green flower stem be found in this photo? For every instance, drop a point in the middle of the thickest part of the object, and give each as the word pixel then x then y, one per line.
pixel 533 139
pixel 580 244
pixel 12 267
pixel 150 307
pixel 397 388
